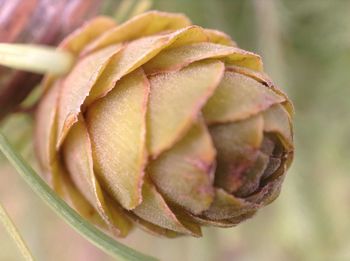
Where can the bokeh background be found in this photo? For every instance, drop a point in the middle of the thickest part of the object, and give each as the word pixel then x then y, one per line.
pixel 305 45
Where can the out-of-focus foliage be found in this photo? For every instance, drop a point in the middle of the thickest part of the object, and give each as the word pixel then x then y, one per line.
pixel 306 49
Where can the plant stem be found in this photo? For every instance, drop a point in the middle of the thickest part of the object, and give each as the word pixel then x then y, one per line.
pixel 123 9
pixel 94 235
pixel 35 58
pixel 140 7
pixel 14 233
pixel 130 8
pixel 269 39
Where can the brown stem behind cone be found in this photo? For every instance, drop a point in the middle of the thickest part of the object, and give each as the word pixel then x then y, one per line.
pixel 39 22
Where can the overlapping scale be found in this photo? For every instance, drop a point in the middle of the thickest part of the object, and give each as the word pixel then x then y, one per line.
pixel 154 209
pixel 76 87
pixel 66 189
pixel 237 146
pixel 77 156
pixel 185 173
pixel 117 129
pixel 149 23
pixel 227 206
pixel 178 57
pixel 237 98
pixel 265 80
pixel 276 119
pixel 45 128
pixel 137 53
pixel 177 98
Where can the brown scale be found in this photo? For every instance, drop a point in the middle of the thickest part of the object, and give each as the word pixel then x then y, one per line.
pixel 267 160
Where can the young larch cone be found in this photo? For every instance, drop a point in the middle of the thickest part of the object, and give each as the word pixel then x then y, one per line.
pixel 164 124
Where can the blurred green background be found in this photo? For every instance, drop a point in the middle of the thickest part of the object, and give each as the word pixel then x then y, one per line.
pixel 305 45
